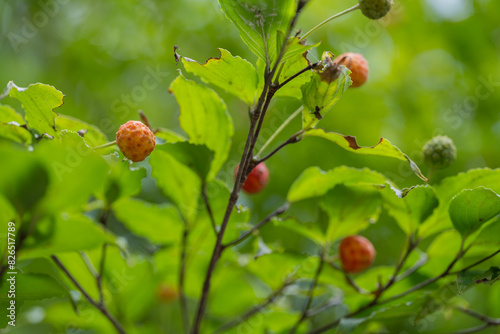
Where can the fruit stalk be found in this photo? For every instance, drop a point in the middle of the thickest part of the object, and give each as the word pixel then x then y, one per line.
pixel 353 8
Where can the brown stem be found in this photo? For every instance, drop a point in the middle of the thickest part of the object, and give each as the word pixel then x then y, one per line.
pixel 473 329
pixel 309 67
pixel 482 317
pixel 257 118
pixel 101 307
pixel 399 266
pixel 476 263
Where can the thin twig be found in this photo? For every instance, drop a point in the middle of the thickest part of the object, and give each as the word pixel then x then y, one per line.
pixel 253 311
pixel 307 68
pixel 329 304
pixel 476 263
pixel 423 260
pixel 209 209
pixel 292 140
pixel 349 279
pixel 266 220
pixel 482 317
pixel 101 307
pixel 473 329
pixel 411 246
pixel 446 272
pixel 310 294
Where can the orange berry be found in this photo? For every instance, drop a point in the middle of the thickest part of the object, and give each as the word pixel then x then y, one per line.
pixel 356 253
pixel 358 66
pixel 135 140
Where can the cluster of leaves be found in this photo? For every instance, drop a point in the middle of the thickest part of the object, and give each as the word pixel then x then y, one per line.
pixel 107 237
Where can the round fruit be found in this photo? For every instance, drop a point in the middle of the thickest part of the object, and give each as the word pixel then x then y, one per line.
pixel 439 152
pixel 257 179
pixel 167 293
pixel 135 140
pixel 375 9
pixel 358 66
pixel 356 253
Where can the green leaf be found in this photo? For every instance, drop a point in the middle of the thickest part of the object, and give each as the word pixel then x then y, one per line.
pixel 38 101
pixel 28 288
pixel 205 119
pixel 259 21
pixel 34 287
pixel 123 181
pixel 351 209
pixel 76 171
pixel 158 223
pixel 168 136
pixel 23 184
pixel 9 114
pixel 489 235
pixel 7 212
pixel 441 252
pixel 66 232
pixel 473 207
pixel 449 187
pixel 233 74
pixel 178 182
pixel 314 182
pixel 15 133
pixel 322 92
pixel 306 230
pixel 384 148
pixel 92 135
pixel 197 157
pixel 411 207
pixel 295 47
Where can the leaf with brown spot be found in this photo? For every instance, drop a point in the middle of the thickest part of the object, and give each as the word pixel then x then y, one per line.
pixel 384 148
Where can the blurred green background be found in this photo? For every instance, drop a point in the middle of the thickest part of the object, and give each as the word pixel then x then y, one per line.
pixel 434 69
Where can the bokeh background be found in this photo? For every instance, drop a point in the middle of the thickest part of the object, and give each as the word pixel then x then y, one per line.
pixel 434 69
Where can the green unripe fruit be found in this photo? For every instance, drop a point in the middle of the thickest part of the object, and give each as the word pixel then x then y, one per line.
pixel 439 152
pixel 375 9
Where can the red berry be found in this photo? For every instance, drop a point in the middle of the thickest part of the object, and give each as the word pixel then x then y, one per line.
pixel 135 140
pixel 356 253
pixel 358 66
pixel 257 179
